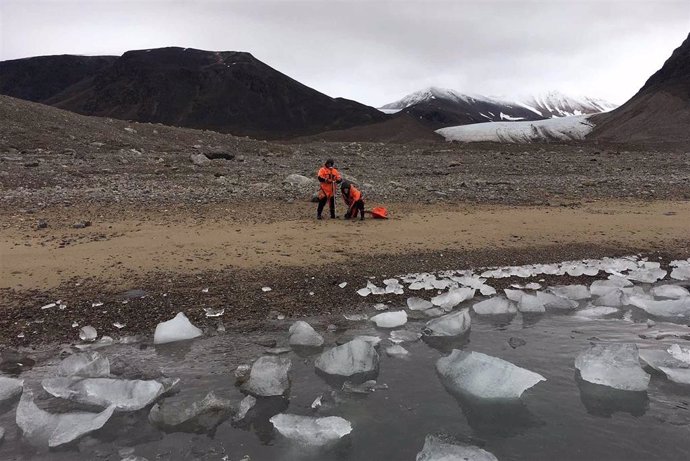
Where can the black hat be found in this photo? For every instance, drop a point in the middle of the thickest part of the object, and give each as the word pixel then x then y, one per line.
pixel 330 162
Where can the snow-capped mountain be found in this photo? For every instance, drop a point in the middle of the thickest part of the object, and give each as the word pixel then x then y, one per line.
pixel 442 107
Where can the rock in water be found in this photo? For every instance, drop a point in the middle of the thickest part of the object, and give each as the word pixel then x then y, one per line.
pixel 196 416
pixel 311 431
pixel 121 394
pixel 495 306
pixel 10 388
pixel 352 358
pixel 43 429
pixel 437 450
pixel 269 377
pixel 85 365
pixel 481 376
pixel 302 334
pixel 176 329
pixel 452 298
pixel 613 365
pixel 454 324
pixel 390 319
pixel 418 304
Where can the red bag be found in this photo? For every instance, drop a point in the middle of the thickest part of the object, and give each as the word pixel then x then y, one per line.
pixel 379 213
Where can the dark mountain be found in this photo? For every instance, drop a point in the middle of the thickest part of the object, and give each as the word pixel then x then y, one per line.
pixel 37 79
pixel 440 108
pixel 230 92
pixel 659 112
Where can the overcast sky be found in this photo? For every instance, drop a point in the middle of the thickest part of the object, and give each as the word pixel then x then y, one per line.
pixel 378 51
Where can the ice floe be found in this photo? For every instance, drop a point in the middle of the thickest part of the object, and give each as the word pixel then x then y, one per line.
pixel 436 449
pixel 390 319
pixel 302 334
pixel 454 324
pixel 121 394
pixel 268 377
pixel 670 291
pixel 482 376
pixel 85 364
pixel 178 328
pixel 402 336
pixel 310 430
pixel 613 365
pixel 495 306
pixel 352 358
pixel 418 304
pixel 396 351
pixel 191 415
pixel 10 388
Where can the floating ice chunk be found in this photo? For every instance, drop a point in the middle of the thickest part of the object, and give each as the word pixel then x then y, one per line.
pixel 375 290
pixel 514 295
pixel 177 329
pixel 302 334
pixel 533 286
pixel 390 319
pixel 452 298
pixel 681 270
pixel 675 370
pixel 246 404
pixel 482 376
pixel 364 292
pixel 354 357
pixel 680 353
pixel 191 416
pixel 647 275
pixel 380 307
pixel 418 304
pixel 52 430
pixel 396 351
pixel 670 291
pixel 10 388
pixel 596 312
pixel 551 301
pixel 613 365
pixel 454 324
pixel 269 377
pixel 211 312
pixel 495 306
pixel 85 365
pixel 342 285
pixel 486 290
pixel 122 394
pixel 318 401
pixel 434 312
pixel 437 450
pixel 311 431
pixel 373 340
pixel 530 303
pixel 88 333
pixel 672 331
pixel 613 298
pixel 574 292
pixel 663 308
pixel 367 387
pixel 402 336
pixel 355 317
pixel 604 287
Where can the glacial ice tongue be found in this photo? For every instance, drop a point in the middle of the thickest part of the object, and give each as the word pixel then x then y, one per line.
pixel 177 329
pixel 452 297
pixel 191 416
pixel 551 301
pixel 530 303
pixel 573 292
pixel 613 365
pixel 349 359
pixel 453 324
pixel 121 394
pixel 436 449
pixel 418 304
pixel 86 365
pixel 45 429
pixel 311 431
pixel 485 377
pixel 302 334
pixel 670 291
pixel 10 388
pixel 390 319
pixel 494 306
pixel 663 308
pixel 269 376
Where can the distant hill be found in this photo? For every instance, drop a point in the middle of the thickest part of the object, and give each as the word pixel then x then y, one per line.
pixel 230 92
pixel 37 79
pixel 659 112
pixel 440 107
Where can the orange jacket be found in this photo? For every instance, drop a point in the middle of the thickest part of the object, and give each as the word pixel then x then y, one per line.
pixel 354 195
pixel 327 176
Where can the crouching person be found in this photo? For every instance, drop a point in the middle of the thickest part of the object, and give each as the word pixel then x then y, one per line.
pixel 353 199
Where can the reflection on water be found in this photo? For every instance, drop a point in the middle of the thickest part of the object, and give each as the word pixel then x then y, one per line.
pixel 605 401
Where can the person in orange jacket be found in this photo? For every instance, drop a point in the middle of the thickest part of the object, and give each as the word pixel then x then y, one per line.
pixel 328 176
pixel 353 200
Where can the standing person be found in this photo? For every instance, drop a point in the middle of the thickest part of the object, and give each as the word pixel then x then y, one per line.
pixel 328 177
pixel 353 199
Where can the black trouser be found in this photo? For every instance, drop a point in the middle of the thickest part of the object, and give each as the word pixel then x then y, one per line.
pixel 357 207
pixel 331 205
